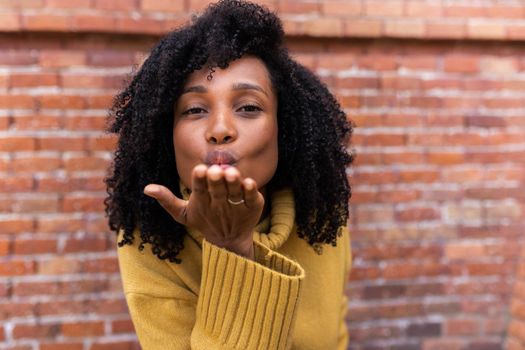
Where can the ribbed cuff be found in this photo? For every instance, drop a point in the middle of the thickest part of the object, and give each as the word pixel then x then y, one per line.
pixel 246 304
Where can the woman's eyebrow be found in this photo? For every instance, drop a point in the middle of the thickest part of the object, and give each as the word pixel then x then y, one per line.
pixel 237 86
pixel 248 86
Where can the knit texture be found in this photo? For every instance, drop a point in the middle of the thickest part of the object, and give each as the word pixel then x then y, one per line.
pixel 216 299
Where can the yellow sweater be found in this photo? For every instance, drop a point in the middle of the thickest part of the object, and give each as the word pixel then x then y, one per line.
pixel 288 298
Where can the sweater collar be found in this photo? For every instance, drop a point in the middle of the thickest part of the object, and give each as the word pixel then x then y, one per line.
pixel 273 230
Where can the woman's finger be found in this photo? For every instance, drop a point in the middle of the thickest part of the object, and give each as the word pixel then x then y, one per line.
pixel 199 185
pixel 252 197
pixel 233 184
pixel 216 186
pixel 175 206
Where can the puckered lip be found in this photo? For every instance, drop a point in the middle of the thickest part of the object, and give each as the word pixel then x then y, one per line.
pixel 220 157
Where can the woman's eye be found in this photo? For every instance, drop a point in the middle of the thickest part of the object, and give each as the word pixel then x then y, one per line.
pixel 194 110
pixel 250 108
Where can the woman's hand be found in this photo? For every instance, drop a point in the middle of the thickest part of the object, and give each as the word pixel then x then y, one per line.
pixel 224 207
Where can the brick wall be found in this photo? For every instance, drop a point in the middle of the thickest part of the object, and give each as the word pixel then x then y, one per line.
pixel 436 89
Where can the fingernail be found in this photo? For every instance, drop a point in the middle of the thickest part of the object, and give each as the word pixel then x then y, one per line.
pixel 248 185
pixel 151 190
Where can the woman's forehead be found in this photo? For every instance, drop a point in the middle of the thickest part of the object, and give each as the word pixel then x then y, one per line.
pixel 247 69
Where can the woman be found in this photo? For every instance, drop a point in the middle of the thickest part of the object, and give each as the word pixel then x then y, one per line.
pixel 229 193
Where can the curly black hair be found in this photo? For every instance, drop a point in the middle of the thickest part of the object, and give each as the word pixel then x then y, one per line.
pixel 313 130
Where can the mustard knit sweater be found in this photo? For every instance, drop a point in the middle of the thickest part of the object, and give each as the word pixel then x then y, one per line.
pixel 288 298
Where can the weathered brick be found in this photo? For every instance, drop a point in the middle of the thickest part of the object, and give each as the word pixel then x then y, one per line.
pixel 82 329
pixel 162 5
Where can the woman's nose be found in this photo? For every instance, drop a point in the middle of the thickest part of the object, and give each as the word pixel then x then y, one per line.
pixel 221 129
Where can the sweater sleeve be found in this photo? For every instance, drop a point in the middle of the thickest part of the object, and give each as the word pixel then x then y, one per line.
pixel 242 304
pixel 245 304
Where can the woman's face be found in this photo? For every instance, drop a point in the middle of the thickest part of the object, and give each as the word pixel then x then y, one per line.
pixel 230 120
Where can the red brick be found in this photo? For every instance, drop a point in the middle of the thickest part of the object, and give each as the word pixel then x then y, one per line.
pixel 35 246
pixel 62 101
pixel 445 30
pixel 45 22
pixel 162 5
pixel 90 244
pixel 323 27
pixel 110 59
pixel 83 287
pixel 59 184
pixel 33 80
pixel 99 101
pixel 402 158
pixel 398 196
pixel 62 346
pixel 515 31
pixel 102 144
pixel 68 307
pixel 365 215
pixel 61 58
pixel 445 158
pixel 59 265
pixel 35 288
pixel 461 64
pixel 85 163
pixel 58 224
pixel 400 83
pixel 115 345
pixel 21 4
pixel 363 27
pixel 15 226
pixel 298 7
pixel 196 6
pixel 12 144
pixel 61 144
pixel 69 4
pixel 139 25
pixel 16 267
pixel 24 331
pixel 115 5
pixel 17 101
pixel 81 329
pixel 376 8
pixel 93 23
pixel 384 140
pixel 16 184
pixel 26 205
pixel 102 265
pixel 380 62
pixel 417 214
pixel 442 344
pixel 429 176
pixel 504 11
pixel 107 306
pixel 85 123
pixel 10 22
pixel 341 8
pixel 464 11
pixel 29 164
pixel 5 249
pixel 75 203
pixel 422 9
pixel 404 28
pixel 17 57
pixel 461 175
pixel 11 309
pixel 37 122
pixel 486 30
pixel 357 83
pixel 122 326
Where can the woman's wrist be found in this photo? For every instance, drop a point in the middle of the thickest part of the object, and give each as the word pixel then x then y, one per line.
pixel 243 248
